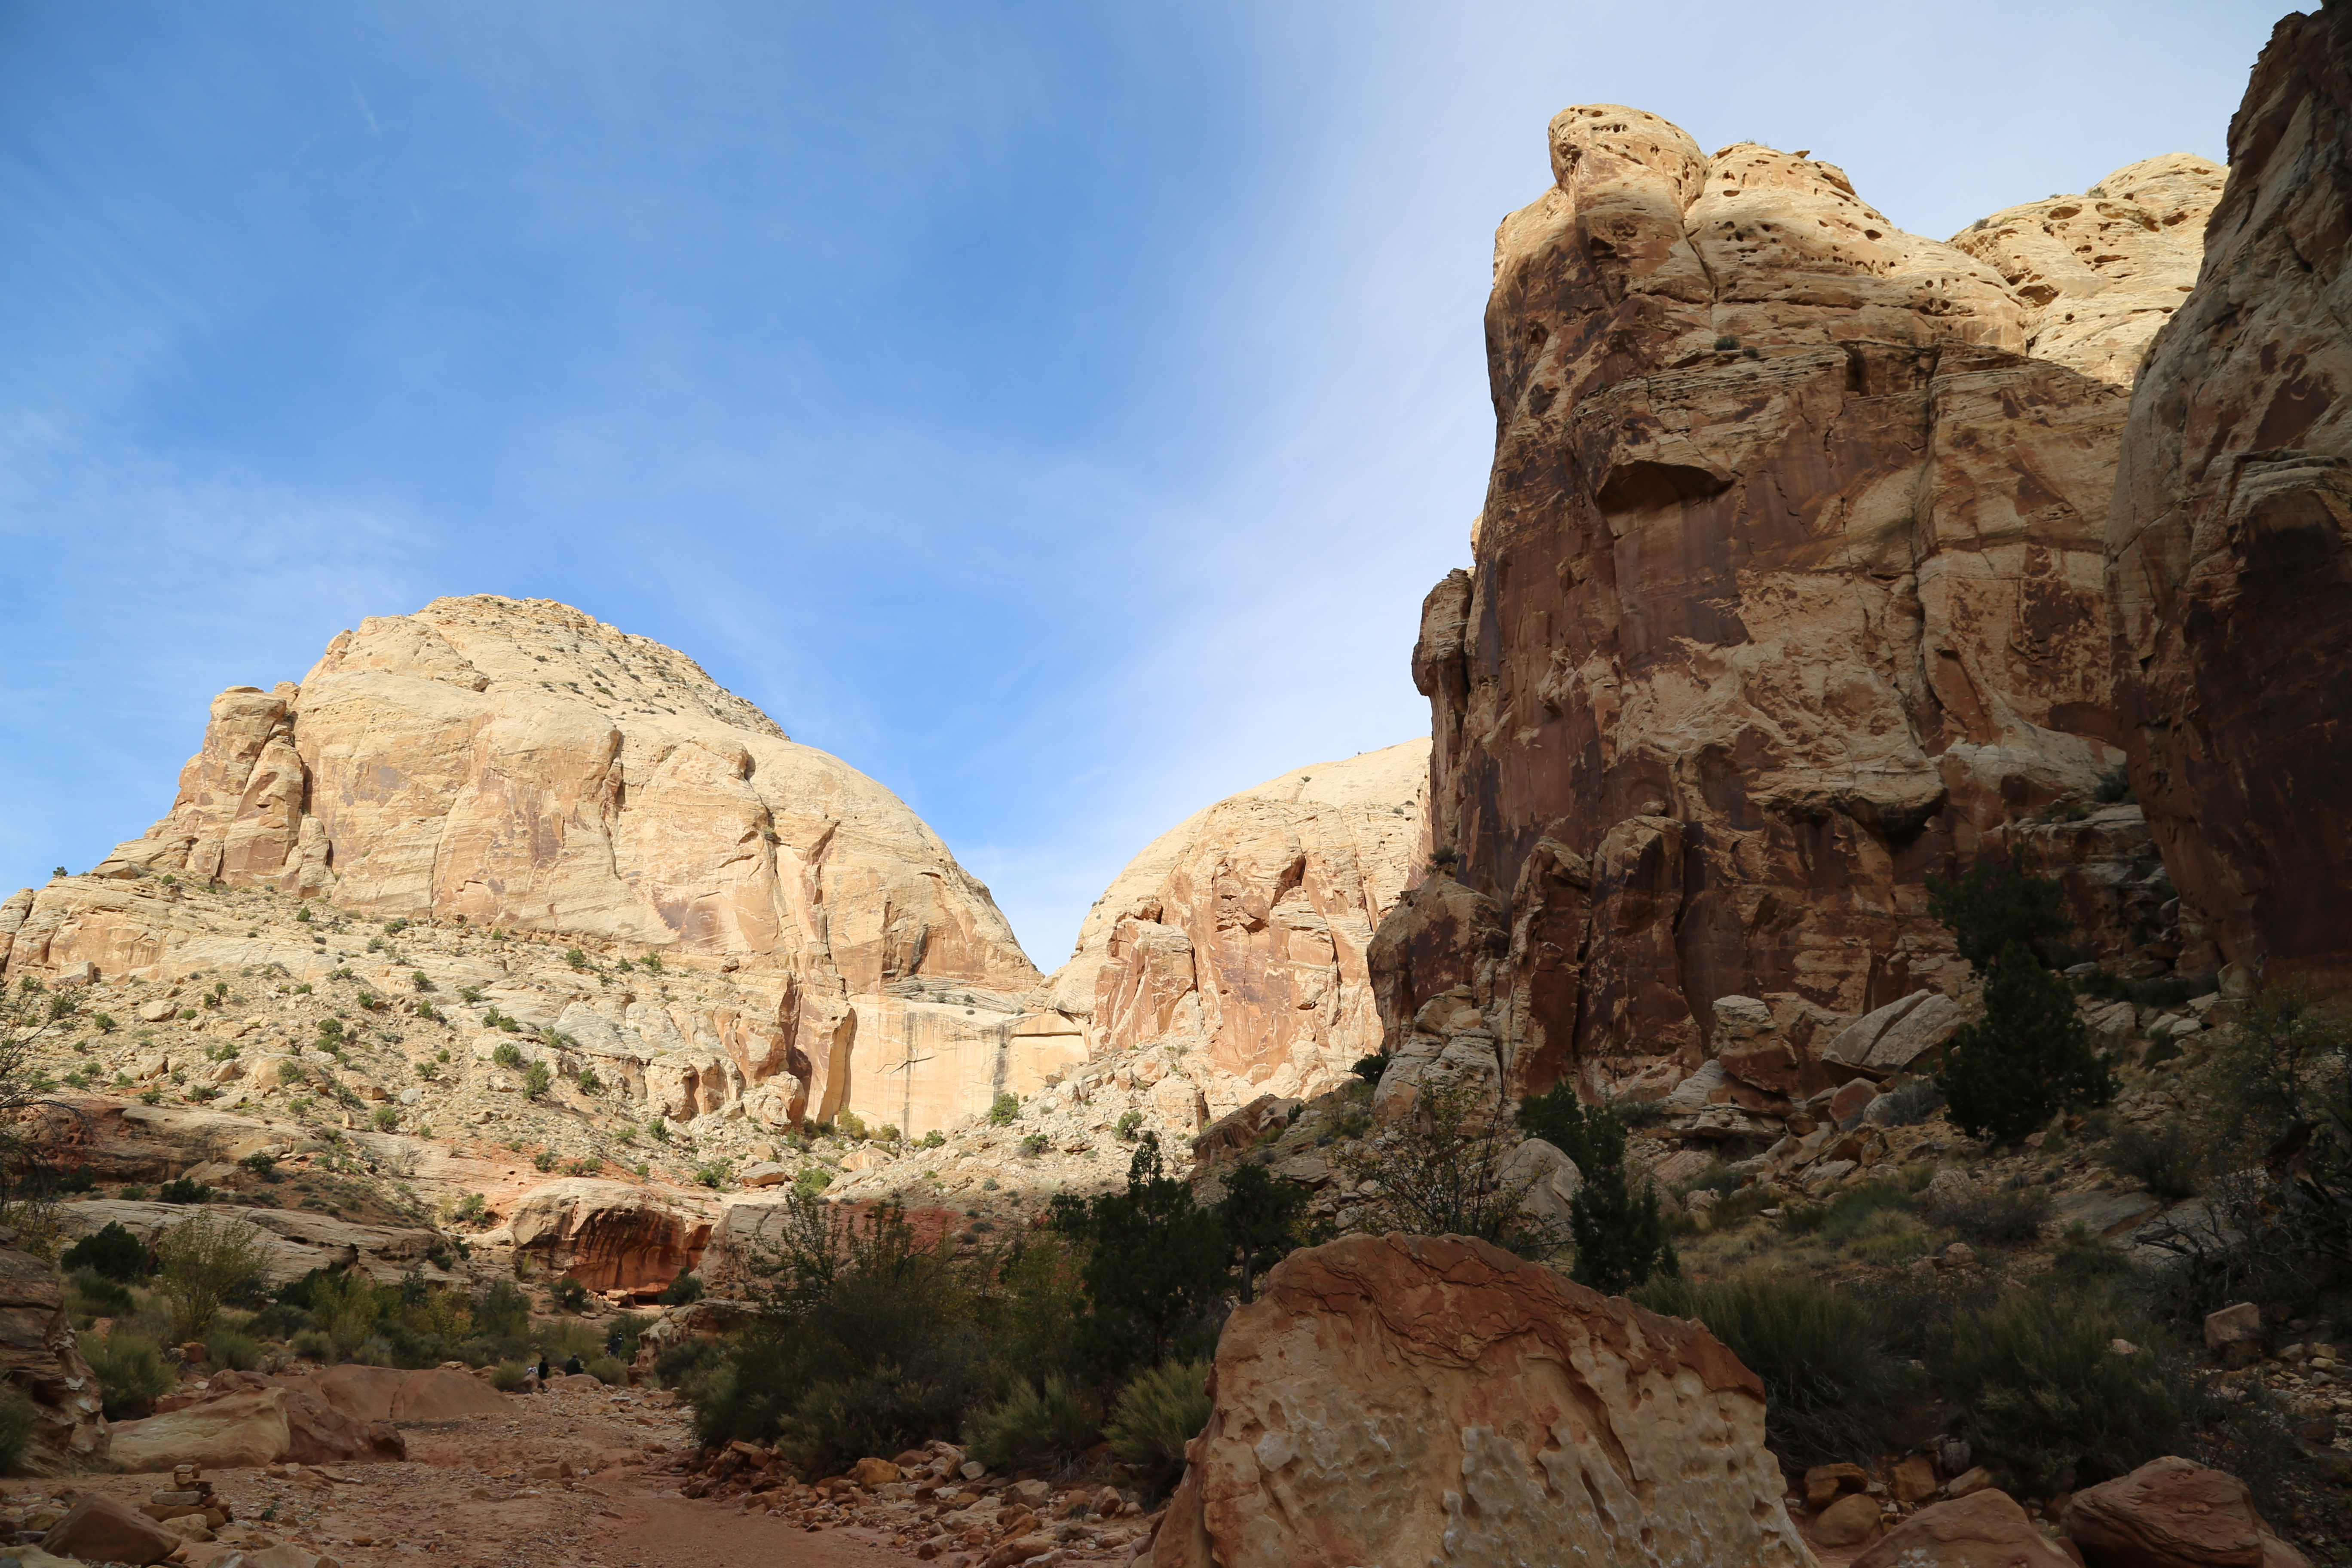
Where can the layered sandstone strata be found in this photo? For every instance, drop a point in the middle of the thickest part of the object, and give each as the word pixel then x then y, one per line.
pixel 1790 583
pixel 1245 929
pixel 498 764
pixel 2232 534
pixel 1425 1399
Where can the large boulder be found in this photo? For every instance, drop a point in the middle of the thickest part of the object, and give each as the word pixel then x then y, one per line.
pixel 2230 537
pixel 2171 1513
pixel 369 1394
pixel 609 1236
pixel 38 1356
pixel 1414 1399
pixel 1983 1529
pixel 243 1428
pixel 98 1529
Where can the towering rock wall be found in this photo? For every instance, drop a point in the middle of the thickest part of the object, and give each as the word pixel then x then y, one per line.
pixel 2232 535
pixel 1245 929
pixel 495 763
pixel 1790 583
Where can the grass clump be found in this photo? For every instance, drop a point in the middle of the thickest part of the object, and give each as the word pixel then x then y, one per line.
pixel 1037 1423
pixel 131 1373
pixel 1832 1387
pixel 1160 1411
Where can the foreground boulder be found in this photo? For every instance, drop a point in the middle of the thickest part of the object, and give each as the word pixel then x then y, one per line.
pixel 2171 1513
pixel 1415 1399
pixel 346 1414
pixel 1984 1529
pixel 100 1530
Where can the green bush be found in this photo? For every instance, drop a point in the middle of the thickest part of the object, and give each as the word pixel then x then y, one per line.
pixel 1159 1413
pixel 507 1375
pixel 2168 1160
pixel 1370 1067
pixel 203 1263
pixel 571 1296
pixel 687 1287
pixel 1997 904
pixel 1155 1263
pixel 1004 1110
pixel 111 1251
pixel 96 1295
pixel 2050 1405
pixel 181 1190
pixel 1847 1214
pixel 2026 1059
pixel 16 1419
pixel 1832 1387
pixel 386 1118
pixel 1996 1217
pixel 1616 1225
pixel 508 1055
pixel 1129 1122
pixel 535 1079
pixel 608 1370
pixel 131 1373
pixel 1034 1144
pixel 230 1348
pixel 1038 1424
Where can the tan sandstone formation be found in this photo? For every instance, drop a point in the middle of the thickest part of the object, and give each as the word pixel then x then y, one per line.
pixel 1417 1399
pixel 502 765
pixel 2232 535
pixel 1245 928
pixel 1790 587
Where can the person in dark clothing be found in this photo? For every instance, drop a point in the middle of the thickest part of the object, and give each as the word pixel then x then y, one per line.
pixel 572 1364
pixel 613 1343
pixel 545 1370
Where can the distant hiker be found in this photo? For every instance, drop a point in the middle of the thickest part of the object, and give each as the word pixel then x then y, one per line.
pixel 545 1370
pixel 572 1364
pixel 613 1343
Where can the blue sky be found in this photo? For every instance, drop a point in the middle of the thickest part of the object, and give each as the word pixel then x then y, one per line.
pixel 1056 410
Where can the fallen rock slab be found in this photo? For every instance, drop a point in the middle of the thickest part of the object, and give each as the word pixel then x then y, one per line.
pixel 242 1428
pixel 1987 1530
pixel 2171 1513
pixel 1408 1399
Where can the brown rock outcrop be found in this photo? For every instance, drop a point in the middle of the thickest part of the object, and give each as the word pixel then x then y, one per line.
pixel 1415 1399
pixel 2231 535
pixel 98 1529
pixel 39 1357
pixel 609 1236
pixel 1245 927
pixel 1983 1529
pixel 516 765
pixel 2171 1513
pixel 1790 583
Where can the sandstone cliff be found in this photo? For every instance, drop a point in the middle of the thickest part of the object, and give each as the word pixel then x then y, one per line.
pixel 1790 587
pixel 1243 929
pixel 2232 534
pixel 492 764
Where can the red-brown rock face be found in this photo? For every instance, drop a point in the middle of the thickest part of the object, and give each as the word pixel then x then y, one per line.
pixel 1790 583
pixel 2232 534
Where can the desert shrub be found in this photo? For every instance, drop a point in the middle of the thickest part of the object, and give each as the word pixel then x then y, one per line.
pixel 1847 1214
pixel 715 1172
pixel 203 1263
pixel 864 1344
pixel 2027 1058
pixel 1155 1264
pixel 1159 1412
pixel 1907 1104
pixel 1998 903
pixel 1832 1387
pixel 2114 787
pixel 2167 1160
pixel 131 1373
pixel 502 1312
pixel 181 1190
pixel 536 1078
pixel 1994 1217
pixel 813 1179
pixel 1129 1121
pixel 1616 1223
pixel 16 1419
pixel 1034 1144
pixel 608 1370
pixel 291 1071
pixel 111 1251
pixel 1441 1174
pixel 1260 1214
pixel 1007 1106
pixel 1370 1067
pixel 98 1296
pixel 687 1287
pixel 1037 1424
pixel 544 1160
pixel 346 1307
pixel 2050 1403
pixel 231 1349
pixel 507 1375
pixel 386 1118
pixel 571 1296
pixel 508 1055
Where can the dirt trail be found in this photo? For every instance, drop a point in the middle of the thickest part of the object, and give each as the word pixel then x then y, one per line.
pixel 487 1491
